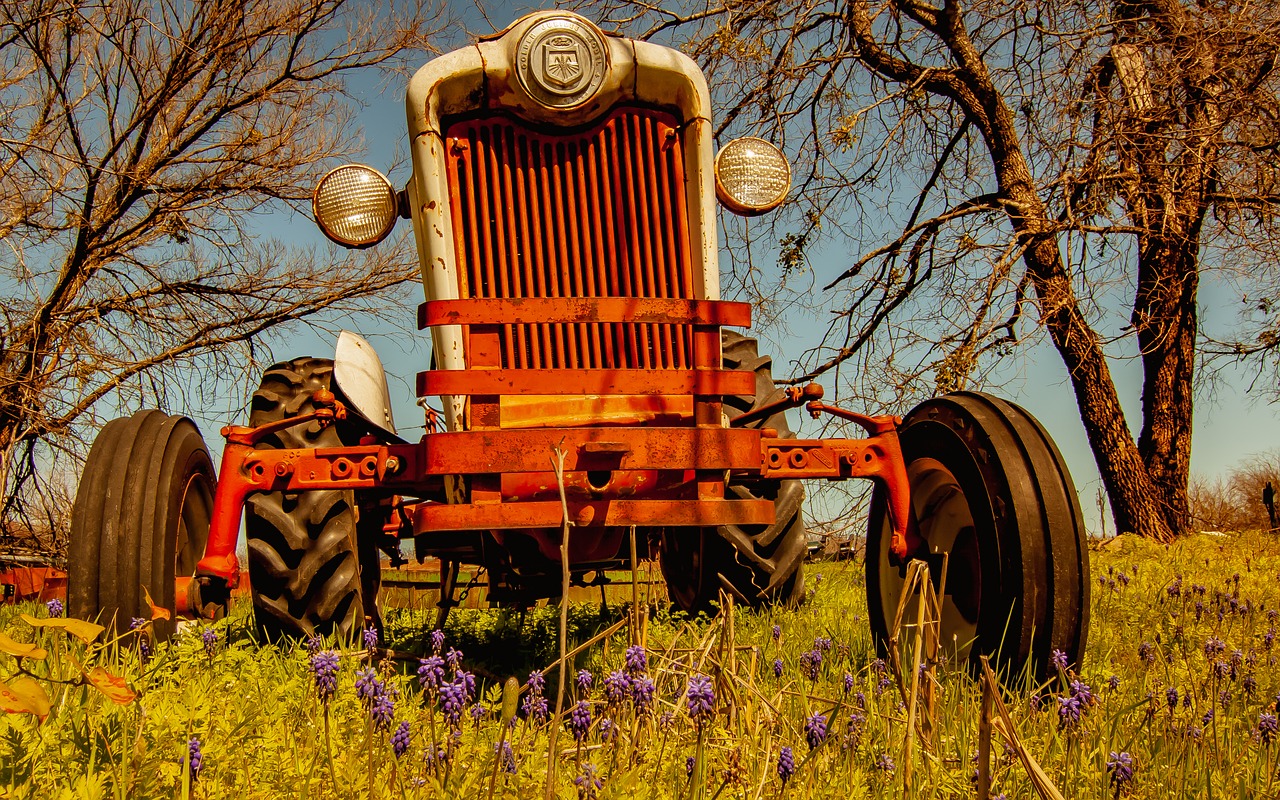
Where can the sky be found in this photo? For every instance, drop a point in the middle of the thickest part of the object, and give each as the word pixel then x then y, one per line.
pixel 1231 423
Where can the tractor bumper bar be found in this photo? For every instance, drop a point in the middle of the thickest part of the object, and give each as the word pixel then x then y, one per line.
pixel 660 477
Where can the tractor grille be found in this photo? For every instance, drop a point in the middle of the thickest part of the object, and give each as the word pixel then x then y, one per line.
pixel 596 213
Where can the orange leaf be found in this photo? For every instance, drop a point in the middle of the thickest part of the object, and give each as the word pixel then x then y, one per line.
pixel 20 649
pixel 22 695
pixel 84 631
pixel 112 686
pixel 156 611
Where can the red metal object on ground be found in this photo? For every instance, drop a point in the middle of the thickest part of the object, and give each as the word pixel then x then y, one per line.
pixel 33 583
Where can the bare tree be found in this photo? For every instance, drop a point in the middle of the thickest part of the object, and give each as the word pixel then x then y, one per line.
pixel 143 146
pixel 1234 502
pixel 1038 165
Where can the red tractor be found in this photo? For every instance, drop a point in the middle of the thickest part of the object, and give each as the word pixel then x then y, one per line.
pixel 563 200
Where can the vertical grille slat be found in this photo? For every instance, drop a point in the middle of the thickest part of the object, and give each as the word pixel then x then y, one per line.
pixel 595 213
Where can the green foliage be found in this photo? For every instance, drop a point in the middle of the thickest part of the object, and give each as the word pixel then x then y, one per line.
pixel 266 732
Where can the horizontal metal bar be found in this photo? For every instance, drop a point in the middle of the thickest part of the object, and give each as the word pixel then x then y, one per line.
pixel 530 310
pixel 549 514
pixel 488 451
pixel 585 381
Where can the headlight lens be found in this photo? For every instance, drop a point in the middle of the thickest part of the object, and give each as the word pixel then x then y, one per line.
pixel 355 206
pixel 752 176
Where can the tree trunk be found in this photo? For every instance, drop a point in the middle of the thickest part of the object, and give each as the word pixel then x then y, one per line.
pixel 1135 499
pixel 1165 318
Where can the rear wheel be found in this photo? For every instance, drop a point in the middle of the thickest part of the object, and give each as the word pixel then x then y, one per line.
pixel 757 564
pixel 989 491
pixel 305 564
pixel 140 519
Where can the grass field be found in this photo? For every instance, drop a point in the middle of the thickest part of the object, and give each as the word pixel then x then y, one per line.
pixel 1176 698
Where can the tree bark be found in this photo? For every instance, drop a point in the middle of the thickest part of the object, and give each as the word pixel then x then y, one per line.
pixel 1135 498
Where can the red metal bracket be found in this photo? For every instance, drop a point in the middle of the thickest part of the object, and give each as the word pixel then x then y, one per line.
pixel 878 457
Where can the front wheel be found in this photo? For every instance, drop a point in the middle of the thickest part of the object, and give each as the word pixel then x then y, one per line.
pixel 993 502
pixel 140 519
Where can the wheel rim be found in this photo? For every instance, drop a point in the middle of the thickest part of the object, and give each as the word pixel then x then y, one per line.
pixel 194 517
pixel 945 523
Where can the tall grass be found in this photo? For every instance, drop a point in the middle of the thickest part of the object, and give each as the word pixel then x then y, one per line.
pixel 1179 677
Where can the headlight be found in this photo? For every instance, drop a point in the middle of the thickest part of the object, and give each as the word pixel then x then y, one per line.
pixel 752 176
pixel 355 206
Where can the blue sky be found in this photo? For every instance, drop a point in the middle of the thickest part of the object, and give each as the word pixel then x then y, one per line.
pixel 1230 422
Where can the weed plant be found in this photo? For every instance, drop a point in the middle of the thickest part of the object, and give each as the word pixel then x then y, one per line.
pixel 1176 698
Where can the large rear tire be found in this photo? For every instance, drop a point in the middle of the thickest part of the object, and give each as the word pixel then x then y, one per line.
pixel 140 519
pixel 989 488
pixel 305 564
pixel 758 565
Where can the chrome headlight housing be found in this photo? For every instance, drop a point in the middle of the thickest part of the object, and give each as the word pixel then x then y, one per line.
pixel 752 176
pixel 355 206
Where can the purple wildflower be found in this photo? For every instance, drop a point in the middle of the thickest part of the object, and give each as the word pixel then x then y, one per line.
pixel 636 660
pixel 616 686
pixel 1058 659
pixel 454 697
pixel 580 720
pixel 1268 727
pixel 535 708
pixel 642 691
pixel 777 668
pixel 853 731
pixel 54 607
pixel 1171 697
pixel 536 682
pixel 860 700
pixel 585 680
pixel 1081 690
pixel 1113 682
pixel 401 738
pixel 1221 670
pixel 608 731
pixel 324 669
pixel 478 712
pixel 209 637
pixel 884 683
pixel 879 666
pixel 506 757
pixel 1147 653
pixel 431 673
pixel 701 697
pixel 815 730
pixel 885 764
pixel 370 637
pixel 665 719
pixel 382 711
pixel 437 641
pixel 822 644
pixel 1069 710
pixel 589 783
pixel 1120 768
pixel 453 658
pixel 137 623
pixel 848 683
pixel 689 764
pixel 368 687
pixel 1214 646
pixel 811 664
pixel 786 764
pixel 195 757
pixel 777 632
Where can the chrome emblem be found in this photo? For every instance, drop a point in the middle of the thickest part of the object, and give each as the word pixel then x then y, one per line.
pixel 561 61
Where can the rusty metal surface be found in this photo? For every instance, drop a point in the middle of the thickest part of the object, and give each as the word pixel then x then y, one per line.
pixel 593 449
pixel 593 513
pixel 584 381
pixel 565 214
pixel 532 310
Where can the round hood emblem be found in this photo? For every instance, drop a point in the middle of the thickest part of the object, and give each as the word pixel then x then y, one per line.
pixel 561 61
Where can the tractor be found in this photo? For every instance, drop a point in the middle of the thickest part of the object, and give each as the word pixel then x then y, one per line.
pixel 591 384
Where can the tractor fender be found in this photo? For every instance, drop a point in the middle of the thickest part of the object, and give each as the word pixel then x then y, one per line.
pixel 359 374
